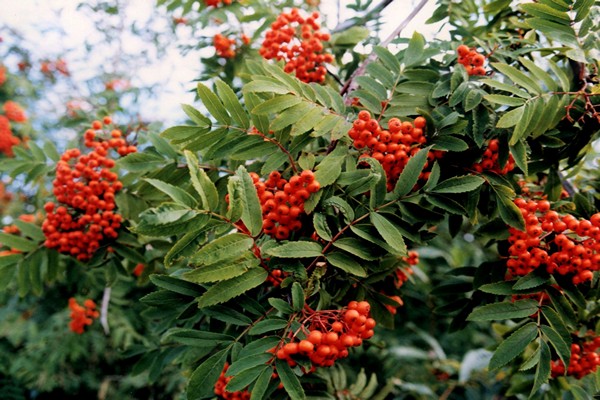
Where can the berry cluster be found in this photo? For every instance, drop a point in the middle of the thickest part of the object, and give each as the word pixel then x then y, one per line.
pixel 562 244
pixel 394 309
pixel 330 334
pixel 215 3
pixel 85 187
pixel 224 46
pixel 224 394
pixel 7 139
pixel 14 112
pixel 82 315
pixel 471 59
pixel 2 75
pixel 282 201
pixel 392 147
pixel 402 273
pixel 584 359
pixel 49 67
pixel 489 160
pixel 298 41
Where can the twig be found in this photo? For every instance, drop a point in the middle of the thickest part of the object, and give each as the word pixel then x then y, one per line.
pixel 351 84
pixel 104 310
pixel 566 184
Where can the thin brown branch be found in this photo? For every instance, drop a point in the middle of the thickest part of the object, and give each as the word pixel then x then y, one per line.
pixel 369 15
pixel 351 84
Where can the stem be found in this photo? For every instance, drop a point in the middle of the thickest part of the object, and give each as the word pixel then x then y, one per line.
pixel 104 309
pixel 351 84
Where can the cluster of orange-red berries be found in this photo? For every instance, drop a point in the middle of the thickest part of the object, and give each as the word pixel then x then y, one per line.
pixel 49 67
pixel 227 47
pixel 392 147
pixel 299 42
pixel 562 244
pixel 402 273
pixel 222 383
pixel 282 201
pixel 85 188
pixel 471 59
pixel 489 160
pixel 81 316
pixel 12 113
pixel 331 333
pixel 584 359
pixel 216 3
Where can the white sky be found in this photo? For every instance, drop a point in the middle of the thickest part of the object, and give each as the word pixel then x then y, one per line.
pixel 173 73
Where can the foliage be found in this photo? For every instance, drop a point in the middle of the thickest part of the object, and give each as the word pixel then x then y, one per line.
pixel 275 228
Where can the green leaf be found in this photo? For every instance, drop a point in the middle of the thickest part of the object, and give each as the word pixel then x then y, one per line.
pixel 224 269
pixel 530 281
pixel 519 154
pixel 261 385
pixel 563 349
pixel 203 379
pixel 459 184
pixel 542 372
pixel 30 230
pixel 346 263
pixel 298 299
pixel 176 285
pixel 280 305
pixel 246 377
pixel 556 322
pixel 356 247
pixel 188 243
pixel 514 345
pixel 213 104
pixel 268 325
pixel 261 122
pixel 506 87
pixel 555 31
pixel 414 52
pixel 370 84
pixel 202 183
pixel 504 100
pixel 387 58
pixel 290 381
pixel 410 174
pixel 178 195
pixel 450 143
pixel 350 37
pixel 390 233
pixel 379 185
pixel 276 104
pixel 297 249
pixel 321 227
pixel 504 310
pixel 252 212
pixel 195 115
pixel 518 77
pixel 195 338
pixel 17 242
pixel 265 86
pixel 226 247
pixel 236 205
pixel 539 73
pixel 292 115
pixel 227 290
pixel 232 104
pixel 509 212
pixel 546 12
pixel 511 118
pixel 141 162
pixel 342 206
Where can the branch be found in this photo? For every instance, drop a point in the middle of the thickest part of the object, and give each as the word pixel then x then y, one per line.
pixel 104 310
pixel 342 26
pixel 351 85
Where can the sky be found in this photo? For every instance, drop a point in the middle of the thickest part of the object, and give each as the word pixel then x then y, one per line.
pixel 52 25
